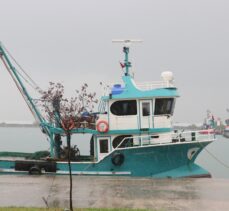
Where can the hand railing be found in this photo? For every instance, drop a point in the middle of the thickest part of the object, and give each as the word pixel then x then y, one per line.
pixel 143 86
pixel 153 85
pixel 158 139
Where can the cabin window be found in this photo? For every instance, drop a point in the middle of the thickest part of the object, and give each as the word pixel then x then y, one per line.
pixel 127 141
pixel 103 145
pixel 146 109
pixel 124 108
pixel 164 106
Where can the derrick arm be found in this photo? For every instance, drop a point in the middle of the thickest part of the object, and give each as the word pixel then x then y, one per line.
pixel 29 101
pixel 14 74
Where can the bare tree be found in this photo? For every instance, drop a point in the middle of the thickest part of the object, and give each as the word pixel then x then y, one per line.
pixel 68 114
pixel 71 110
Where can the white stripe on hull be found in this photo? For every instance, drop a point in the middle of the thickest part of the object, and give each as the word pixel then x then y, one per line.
pixel 96 172
pixel 75 172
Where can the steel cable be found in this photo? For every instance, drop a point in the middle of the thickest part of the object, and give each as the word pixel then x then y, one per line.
pixel 32 83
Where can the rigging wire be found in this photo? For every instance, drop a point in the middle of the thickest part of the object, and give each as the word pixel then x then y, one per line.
pixel 19 88
pixel 34 87
pixel 213 156
pixel 32 83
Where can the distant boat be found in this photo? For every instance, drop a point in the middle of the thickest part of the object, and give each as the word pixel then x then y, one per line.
pixel 219 132
pixel 207 131
pixel 226 132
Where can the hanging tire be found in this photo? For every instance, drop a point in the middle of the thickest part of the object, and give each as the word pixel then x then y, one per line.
pixel 35 170
pixel 117 159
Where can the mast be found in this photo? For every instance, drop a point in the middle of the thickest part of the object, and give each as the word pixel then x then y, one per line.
pixel 126 49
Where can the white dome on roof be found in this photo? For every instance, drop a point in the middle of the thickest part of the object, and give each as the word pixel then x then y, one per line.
pixel 167 76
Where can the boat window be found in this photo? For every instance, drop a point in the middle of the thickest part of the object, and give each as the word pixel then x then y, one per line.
pixel 128 142
pixel 103 144
pixel 124 107
pixel 164 106
pixel 145 109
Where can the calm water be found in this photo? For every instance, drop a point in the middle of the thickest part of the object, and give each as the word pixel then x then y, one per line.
pixel 31 140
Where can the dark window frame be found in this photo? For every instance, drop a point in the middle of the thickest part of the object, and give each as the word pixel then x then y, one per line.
pixel 104 148
pixel 128 142
pixel 124 108
pixel 146 111
pixel 164 106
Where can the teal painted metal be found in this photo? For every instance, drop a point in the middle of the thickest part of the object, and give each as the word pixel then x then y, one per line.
pixel 132 92
pixel 6 164
pixel 171 160
pixel 29 100
pixel 110 132
pixel 161 161
pixel 126 61
pixel 190 170
pixel 13 69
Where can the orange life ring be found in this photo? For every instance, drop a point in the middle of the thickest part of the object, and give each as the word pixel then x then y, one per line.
pixel 102 126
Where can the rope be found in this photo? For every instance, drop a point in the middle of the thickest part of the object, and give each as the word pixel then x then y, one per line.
pixel 34 87
pixel 18 87
pixel 213 156
pixel 33 84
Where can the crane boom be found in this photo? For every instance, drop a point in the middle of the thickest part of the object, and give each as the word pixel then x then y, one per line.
pixel 29 101
pixel 13 72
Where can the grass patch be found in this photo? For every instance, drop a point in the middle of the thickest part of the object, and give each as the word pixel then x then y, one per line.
pixel 61 209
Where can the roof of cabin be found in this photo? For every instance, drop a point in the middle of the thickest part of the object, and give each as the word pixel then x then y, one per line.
pixel 130 91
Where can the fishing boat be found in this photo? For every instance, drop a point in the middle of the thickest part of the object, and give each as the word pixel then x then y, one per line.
pixel 226 132
pixel 226 129
pixel 209 125
pixel 132 135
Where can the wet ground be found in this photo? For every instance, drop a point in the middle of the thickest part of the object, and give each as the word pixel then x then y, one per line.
pixel 92 191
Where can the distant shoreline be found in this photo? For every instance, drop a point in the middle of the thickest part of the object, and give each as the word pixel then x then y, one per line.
pixel 5 125
pixel 18 125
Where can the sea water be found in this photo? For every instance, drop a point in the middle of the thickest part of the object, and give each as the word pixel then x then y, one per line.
pixel 214 158
pixel 26 139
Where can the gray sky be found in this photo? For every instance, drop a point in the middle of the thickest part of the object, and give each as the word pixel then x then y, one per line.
pixel 70 42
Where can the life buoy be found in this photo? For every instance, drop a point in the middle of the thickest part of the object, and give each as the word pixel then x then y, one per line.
pixel 102 126
pixel 117 159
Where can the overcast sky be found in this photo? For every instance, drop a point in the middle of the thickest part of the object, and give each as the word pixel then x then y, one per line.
pixel 70 42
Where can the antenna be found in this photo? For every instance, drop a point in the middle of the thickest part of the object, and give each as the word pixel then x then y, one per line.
pixel 128 42
pixel 126 48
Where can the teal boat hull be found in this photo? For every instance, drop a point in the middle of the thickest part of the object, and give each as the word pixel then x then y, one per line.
pixel 161 161
pixel 172 160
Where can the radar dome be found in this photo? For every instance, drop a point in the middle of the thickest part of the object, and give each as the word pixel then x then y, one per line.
pixel 167 76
